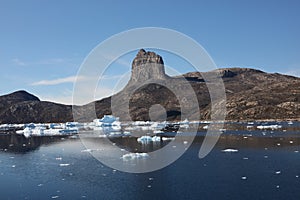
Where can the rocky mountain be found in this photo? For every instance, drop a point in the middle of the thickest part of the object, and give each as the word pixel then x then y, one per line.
pixel 22 107
pixel 250 95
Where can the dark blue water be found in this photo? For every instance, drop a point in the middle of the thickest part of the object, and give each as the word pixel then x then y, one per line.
pixel 263 168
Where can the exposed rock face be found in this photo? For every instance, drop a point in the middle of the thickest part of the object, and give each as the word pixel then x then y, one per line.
pixel 147 65
pixel 251 95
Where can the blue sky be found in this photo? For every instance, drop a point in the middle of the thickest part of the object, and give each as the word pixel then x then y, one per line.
pixel 43 43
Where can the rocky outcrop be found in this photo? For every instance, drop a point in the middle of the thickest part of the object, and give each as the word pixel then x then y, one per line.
pixel 145 66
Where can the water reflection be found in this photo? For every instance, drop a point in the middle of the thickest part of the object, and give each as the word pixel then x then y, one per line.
pixel 20 144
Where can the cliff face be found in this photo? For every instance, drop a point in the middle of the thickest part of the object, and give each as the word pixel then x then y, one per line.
pixel 146 66
pixel 251 95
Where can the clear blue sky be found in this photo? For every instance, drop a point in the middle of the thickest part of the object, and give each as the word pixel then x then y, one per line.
pixel 43 43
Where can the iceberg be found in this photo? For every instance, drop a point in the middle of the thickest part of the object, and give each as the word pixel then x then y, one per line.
pixel 133 156
pixel 158 125
pixel 230 150
pixel 272 127
pixel 64 164
pixel 147 139
pixel 41 130
pixel 107 121
pixel 167 138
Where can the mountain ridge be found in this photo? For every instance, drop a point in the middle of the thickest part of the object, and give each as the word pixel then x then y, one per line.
pixel 251 94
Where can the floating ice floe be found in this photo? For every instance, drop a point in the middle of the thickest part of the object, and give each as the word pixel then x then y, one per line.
pixel 205 127
pixel 157 131
pixel 158 125
pixel 146 139
pixel 90 150
pixel 133 156
pixel 64 164
pixel 272 127
pixel 167 138
pixel 230 150
pixel 42 130
pixel 108 121
pixel 184 124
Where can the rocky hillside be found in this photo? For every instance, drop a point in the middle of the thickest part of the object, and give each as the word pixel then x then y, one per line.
pixel 250 95
pixel 22 107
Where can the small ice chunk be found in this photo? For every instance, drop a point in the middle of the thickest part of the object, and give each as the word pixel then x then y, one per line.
pixel 272 127
pixel 126 133
pixel 144 139
pixel 87 150
pixel 133 156
pixel 205 127
pixel 167 138
pixel 64 164
pixel 156 139
pixel 230 150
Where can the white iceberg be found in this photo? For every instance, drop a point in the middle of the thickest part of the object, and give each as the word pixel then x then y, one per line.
pixel 64 164
pixel 167 138
pixel 133 156
pixel 107 120
pixel 272 127
pixel 147 139
pixel 230 150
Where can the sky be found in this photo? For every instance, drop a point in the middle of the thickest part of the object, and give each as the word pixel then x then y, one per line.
pixel 43 43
